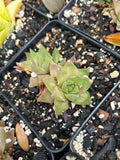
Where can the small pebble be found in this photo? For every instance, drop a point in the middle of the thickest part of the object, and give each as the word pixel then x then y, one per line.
pixel 114 74
pixel 66 13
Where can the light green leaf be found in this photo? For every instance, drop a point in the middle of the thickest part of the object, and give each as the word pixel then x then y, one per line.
pixel 50 83
pixel 31 56
pixel 81 98
pixel 58 94
pixel 37 81
pixel 54 69
pixel 55 55
pixel 4 33
pixel 67 71
pixel 3 23
pixel 83 72
pixel 60 106
pixel 26 65
pixel 83 83
pixel 12 9
pixel 38 62
pixel 45 97
pixel 70 86
pixel 3 11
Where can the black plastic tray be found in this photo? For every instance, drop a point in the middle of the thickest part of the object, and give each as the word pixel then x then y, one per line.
pixel 94 111
pixel 20 115
pixel 31 43
pixel 68 6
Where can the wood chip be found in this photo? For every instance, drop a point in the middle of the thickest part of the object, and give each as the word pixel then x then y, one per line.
pixel 22 138
pixel 76 10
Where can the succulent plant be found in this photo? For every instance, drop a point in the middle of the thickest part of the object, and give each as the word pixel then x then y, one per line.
pixel 54 6
pixel 60 81
pixel 38 65
pixel 6 142
pixel 7 18
pixel 113 11
pixel 66 83
pixel 116 13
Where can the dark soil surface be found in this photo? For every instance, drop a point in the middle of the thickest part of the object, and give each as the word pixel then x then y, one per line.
pixel 104 70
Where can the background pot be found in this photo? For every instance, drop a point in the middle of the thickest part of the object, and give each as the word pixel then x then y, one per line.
pixel 28 23
pixel 11 116
pixel 87 17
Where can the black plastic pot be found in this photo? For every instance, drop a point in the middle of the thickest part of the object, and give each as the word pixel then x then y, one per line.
pixel 30 44
pixel 43 11
pixel 5 99
pixel 20 36
pixel 92 114
pixel 69 6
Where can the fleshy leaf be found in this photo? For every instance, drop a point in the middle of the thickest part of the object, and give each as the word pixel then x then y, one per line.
pixel 67 71
pixel 81 98
pixel 58 94
pixel 45 97
pixel 54 69
pixel 55 55
pixel 3 23
pixel 50 83
pixel 4 33
pixel 37 81
pixel 113 39
pixel 2 140
pixel 12 9
pixel 83 72
pixel 116 5
pixel 22 138
pixel 3 11
pixel 38 62
pixel 53 5
pixel 60 106
pixel 84 83
pixel 69 86
pixel 26 65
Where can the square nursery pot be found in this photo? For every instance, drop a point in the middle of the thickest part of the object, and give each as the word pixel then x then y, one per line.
pixel 70 156
pixel 28 23
pixel 87 17
pixel 39 6
pixel 99 138
pixel 56 133
pixel 11 117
